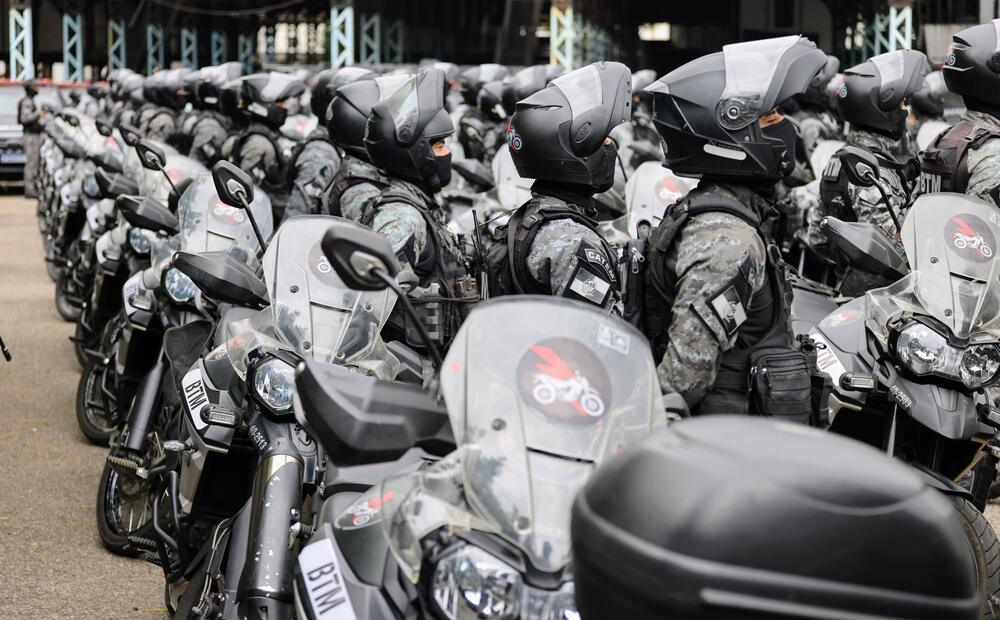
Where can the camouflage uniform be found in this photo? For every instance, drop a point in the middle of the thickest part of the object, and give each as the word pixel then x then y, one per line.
pixel 866 201
pixel 311 171
pixel 984 162
pixel 207 136
pixel 710 251
pixel 403 224
pixel 30 119
pixel 157 123
pixel 256 151
pixel 350 202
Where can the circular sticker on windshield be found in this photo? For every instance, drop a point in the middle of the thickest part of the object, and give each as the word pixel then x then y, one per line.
pixel 564 380
pixel 320 265
pixel 841 317
pixel 971 237
pixel 667 190
pixel 363 513
pixel 226 215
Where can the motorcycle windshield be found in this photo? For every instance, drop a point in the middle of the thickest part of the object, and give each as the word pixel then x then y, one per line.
pixel 209 225
pixel 951 244
pixel 649 191
pixel 313 312
pixel 534 411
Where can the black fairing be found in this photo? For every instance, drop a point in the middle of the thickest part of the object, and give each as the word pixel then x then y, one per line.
pixel 223 278
pixel 113 185
pixel 359 419
pixel 825 528
pixel 148 214
pixel 866 247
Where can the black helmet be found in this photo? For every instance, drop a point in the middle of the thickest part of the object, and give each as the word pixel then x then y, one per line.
pixel 641 80
pixel 527 82
pixel 211 80
pixel 349 110
pixel 972 66
pixel 707 110
pixel 97 90
pixel 473 78
pixel 173 88
pixel 263 96
pixel 326 84
pixel 402 128
pixel 873 92
pixel 929 100
pixel 490 101
pixel 735 518
pixel 31 87
pixel 558 133
pixel 816 93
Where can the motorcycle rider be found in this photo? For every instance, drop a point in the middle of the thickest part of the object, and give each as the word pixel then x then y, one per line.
pixel 406 139
pixel 873 100
pixel 926 105
pixel 966 158
pixel 30 118
pixel 358 180
pixel 715 306
pixel 315 161
pixel 210 127
pixel 559 137
pixel 164 98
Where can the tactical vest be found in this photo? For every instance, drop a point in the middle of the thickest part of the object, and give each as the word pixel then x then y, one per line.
pixel 273 175
pixel 507 259
pixel 944 164
pixel 32 127
pixel 834 186
pixel 293 160
pixel 439 266
pixel 764 373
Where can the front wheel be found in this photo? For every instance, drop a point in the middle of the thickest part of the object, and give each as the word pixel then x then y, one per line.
pixel 94 409
pixel 66 309
pixel 986 549
pixel 121 509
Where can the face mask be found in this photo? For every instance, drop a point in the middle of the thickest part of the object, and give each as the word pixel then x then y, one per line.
pixel 783 132
pixel 443 169
pixel 610 161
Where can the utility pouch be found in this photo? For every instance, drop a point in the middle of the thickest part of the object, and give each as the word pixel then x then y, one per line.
pixel 633 279
pixel 820 384
pixel 432 314
pixel 780 384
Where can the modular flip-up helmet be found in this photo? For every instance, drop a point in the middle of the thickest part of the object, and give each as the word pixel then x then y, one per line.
pixel 929 100
pixel 972 66
pixel 641 80
pixel 558 134
pixel 173 90
pixel 263 96
pixel 527 82
pixel 490 101
pixel 874 92
pixel 211 81
pixel 131 89
pixel 815 95
pixel 328 81
pixel 707 111
pixel 473 78
pixel 349 110
pixel 403 127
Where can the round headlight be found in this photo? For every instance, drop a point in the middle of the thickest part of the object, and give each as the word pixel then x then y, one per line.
pixel 138 241
pixel 980 364
pixel 922 349
pixel 470 584
pixel 179 287
pixel 90 187
pixel 274 383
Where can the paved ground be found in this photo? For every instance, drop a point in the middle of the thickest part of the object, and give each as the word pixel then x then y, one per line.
pixel 52 564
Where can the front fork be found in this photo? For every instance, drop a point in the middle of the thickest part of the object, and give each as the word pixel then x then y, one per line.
pixel 266 589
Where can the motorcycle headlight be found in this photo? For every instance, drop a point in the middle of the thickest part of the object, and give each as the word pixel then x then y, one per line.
pixel 90 187
pixel 139 242
pixel 926 352
pixel 179 287
pixel 980 365
pixel 274 383
pixel 469 584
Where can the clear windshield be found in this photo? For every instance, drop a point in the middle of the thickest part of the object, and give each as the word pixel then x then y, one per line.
pixel 153 184
pixel 312 312
pixel 649 191
pixel 750 67
pixel 534 411
pixel 951 244
pixel 209 225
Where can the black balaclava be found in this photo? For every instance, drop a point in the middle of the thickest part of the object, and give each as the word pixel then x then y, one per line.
pixel 783 132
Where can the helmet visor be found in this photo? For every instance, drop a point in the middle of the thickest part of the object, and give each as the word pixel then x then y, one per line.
pixel 582 88
pixel 890 67
pixel 750 70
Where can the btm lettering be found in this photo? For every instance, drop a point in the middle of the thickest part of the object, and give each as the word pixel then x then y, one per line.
pixel 333 594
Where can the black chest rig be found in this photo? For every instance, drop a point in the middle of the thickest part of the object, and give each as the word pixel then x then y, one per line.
pixel 764 373
pixel 596 276
pixel 343 181
pixel 944 165
pixel 446 287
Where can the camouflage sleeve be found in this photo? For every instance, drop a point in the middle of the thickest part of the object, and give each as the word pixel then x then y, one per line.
pixel 314 169
pixel 256 157
pixel 27 112
pixel 710 252
pixel 406 230
pixel 984 171
pixel 160 127
pixel 354 198
pixel 556 253
pixel 814 236
pixel 869 206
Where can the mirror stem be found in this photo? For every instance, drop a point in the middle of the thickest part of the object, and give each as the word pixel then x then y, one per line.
pixel 431 347
pixel 173 187
pixel 888 205
pixel 253 224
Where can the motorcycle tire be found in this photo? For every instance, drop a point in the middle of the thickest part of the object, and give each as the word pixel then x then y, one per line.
pixel 986 549
pixel 81 338
pixel 54 270
pixel 86 418
pixel 112 537
pixel 193 593
pixel 66 310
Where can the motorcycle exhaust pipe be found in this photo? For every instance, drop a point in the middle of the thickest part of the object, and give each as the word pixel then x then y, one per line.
pixel 144 407
pixel 266 589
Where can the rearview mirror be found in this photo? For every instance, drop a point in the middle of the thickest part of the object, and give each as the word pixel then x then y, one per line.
pixel 859 165
pixel 151 156
pixel 103 127
pixel 148 214
pixel 355 251
pixel 223 278
pixel 866 247
pixel 234 186
pixel 130 134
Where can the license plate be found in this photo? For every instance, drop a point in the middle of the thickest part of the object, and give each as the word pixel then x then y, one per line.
pixel 324 582
pixel 826 359
pixel 13 158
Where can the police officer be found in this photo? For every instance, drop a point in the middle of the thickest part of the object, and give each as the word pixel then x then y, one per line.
pixel 559 137
pixel 926 106
pixel 873 99
pixel 966 158
pixel 30 118
pixel 210 126
pixel 405 138
pixel 716 307
pixel 315 161
pixel 358 180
